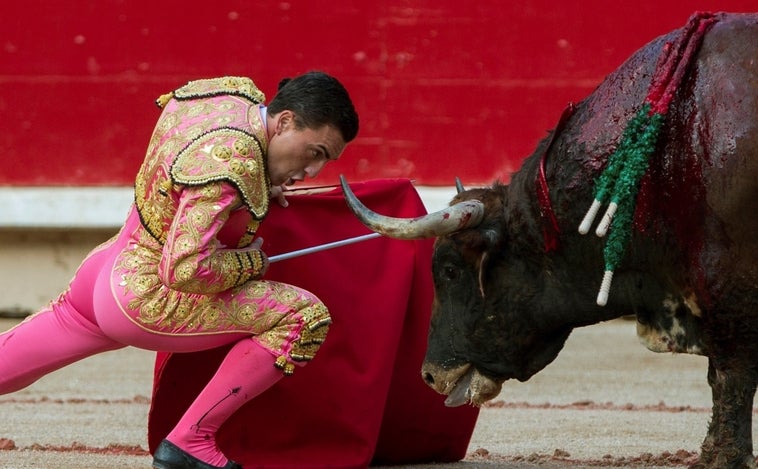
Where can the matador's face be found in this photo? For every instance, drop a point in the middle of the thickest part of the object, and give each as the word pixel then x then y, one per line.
pixel 295 154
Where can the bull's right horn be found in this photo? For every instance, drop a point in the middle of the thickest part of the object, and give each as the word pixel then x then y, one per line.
pixel 462 215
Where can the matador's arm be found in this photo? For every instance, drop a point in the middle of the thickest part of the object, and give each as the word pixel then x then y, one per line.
pixel 193 259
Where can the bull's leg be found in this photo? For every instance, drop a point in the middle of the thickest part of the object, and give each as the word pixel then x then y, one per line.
pixel 729 443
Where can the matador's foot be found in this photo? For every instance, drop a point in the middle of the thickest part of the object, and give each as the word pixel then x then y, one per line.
pixel 170 456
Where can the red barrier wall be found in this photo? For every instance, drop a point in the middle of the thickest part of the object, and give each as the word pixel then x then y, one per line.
pixel 443 87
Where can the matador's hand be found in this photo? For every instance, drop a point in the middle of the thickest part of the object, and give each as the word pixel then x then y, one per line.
pixel 257 243
pixel 277 192
pixel 255 247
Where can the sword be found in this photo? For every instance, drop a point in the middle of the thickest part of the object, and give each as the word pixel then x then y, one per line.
pixel 322 247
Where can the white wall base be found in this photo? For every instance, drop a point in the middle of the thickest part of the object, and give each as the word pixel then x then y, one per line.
pixel 45 233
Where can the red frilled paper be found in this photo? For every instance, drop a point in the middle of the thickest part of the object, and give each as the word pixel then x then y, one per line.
pixel 361 401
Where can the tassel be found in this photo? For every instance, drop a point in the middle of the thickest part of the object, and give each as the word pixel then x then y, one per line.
pixel 164 99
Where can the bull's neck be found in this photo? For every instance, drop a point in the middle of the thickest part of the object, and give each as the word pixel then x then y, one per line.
pixel 573 271
pixel 546 191
pixel 549 221
pixel 563 168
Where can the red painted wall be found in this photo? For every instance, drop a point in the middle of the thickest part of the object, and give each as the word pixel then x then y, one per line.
pixel 443 87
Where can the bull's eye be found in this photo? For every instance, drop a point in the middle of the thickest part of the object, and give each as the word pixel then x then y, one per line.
pixel 450 273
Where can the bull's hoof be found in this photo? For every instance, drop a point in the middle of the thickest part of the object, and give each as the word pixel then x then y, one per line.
pixel 748 462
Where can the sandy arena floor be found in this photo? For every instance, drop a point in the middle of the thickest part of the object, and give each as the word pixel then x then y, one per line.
pixel 605 402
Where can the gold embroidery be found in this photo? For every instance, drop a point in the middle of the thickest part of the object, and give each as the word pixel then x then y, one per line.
pixel 245 267
pixel 200 108
pixel 242 147
pixel 188 120
pixel 237 86
pixel 317 323
pixel 193 166
pixel 197 142
pixel 221 152
pixel 248 237
pixel 283 364
pixel 247 308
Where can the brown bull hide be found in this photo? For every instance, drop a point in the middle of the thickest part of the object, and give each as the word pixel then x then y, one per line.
pixel 504 304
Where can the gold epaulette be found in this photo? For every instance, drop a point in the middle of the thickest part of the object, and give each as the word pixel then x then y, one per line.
pixel 208 87
pixel 226 154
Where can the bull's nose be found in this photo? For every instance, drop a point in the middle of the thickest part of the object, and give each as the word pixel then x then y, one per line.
pixel 429 379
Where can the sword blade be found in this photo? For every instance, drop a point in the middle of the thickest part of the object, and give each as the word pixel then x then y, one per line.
pixel 322 247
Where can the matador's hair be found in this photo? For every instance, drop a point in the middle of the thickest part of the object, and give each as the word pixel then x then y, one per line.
pixel 317 99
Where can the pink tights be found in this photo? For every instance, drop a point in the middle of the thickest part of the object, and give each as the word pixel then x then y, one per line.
pixel 246 371
pixel 71 328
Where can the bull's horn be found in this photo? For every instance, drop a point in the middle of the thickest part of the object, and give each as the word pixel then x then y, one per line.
pixel 459 185
pixel 456 217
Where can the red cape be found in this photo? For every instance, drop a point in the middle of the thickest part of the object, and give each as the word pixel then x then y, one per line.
pixel 362 399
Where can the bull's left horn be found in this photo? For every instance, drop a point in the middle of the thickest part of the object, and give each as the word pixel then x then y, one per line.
pixel 459 185
pixel 462 215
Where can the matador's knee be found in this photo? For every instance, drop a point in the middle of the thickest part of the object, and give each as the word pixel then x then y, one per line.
pixel 313 322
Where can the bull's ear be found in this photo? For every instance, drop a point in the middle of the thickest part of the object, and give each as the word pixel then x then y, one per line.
pixel 480 240
pixel 491 237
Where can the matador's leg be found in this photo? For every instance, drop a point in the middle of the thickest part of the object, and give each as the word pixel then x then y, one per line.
pixel 45 342
pixel 297 325
pixel 62 333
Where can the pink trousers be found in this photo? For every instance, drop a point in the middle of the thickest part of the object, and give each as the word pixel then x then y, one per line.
pixel 273 326
pixel 88 318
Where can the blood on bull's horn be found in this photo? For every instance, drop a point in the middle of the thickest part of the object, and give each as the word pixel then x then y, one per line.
pixel 462 215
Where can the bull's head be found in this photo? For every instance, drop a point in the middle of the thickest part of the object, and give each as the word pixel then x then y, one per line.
pixel 483 328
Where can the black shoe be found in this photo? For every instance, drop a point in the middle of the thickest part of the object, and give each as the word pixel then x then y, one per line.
pixel 170 456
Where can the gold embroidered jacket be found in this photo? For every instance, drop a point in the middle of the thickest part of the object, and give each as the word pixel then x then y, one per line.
pixel 206 158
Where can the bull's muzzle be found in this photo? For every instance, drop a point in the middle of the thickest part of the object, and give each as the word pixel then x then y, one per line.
pixel 463 384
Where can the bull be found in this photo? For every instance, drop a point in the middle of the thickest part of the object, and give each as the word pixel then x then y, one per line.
pixel 513 276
